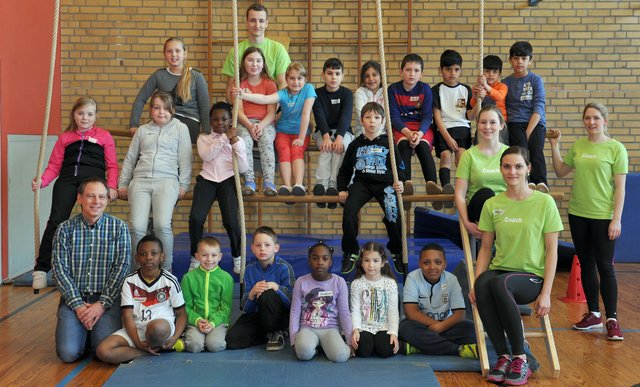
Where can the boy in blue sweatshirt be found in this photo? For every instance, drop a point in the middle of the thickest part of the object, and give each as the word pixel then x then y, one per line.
pixel 266 306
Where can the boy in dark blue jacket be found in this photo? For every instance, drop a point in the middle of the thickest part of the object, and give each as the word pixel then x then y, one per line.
pixel 266 306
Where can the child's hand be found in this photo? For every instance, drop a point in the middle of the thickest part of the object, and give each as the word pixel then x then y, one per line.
pixel 452 144
pixel 238 92
pixel 113 194
pixel 132 130
pixel 393 340
pixel 256 131
pixel 398 186
pixel 326 144
pixel 482 81
pixel 259 288
pixel 342 195
pixel 205 327
pixel 297 142
pixel 355 338
pixel 480 93
pixel 123 193
pixel 436 327
pixel 338 145
pixel 171 341
pixel 181 193
pixel 231 133
pixel 35 185
pixel 273 286
pixel 415 139
pixel 143 346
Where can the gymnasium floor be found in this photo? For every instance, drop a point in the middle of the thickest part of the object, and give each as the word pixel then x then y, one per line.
pixel 27 324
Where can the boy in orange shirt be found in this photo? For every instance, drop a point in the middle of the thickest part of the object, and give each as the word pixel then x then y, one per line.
pixel 495 91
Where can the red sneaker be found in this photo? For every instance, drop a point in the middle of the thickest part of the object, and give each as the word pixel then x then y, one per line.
pixel 613 330
pixel 589 321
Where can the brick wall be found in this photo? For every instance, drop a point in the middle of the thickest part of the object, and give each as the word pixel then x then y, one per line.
pixel 585 50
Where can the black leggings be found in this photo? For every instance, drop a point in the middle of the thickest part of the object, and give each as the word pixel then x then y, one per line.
pixel 65 193
pixel 498 294
pixel 205 193
pixel 423 151
pixel 474 208
pixel 535 145
pixel 378 344
pixel 595 251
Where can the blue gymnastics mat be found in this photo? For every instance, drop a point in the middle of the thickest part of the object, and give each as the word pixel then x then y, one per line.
pixel 254 366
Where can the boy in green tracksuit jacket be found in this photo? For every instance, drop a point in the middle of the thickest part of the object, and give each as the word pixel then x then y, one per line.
pixel 208 292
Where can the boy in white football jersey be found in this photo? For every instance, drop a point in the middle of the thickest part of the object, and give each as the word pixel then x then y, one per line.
pixel 153 310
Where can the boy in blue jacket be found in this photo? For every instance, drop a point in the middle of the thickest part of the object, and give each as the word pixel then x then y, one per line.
pixel 266 306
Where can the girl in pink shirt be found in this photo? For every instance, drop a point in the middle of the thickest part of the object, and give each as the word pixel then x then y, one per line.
pixel 216 181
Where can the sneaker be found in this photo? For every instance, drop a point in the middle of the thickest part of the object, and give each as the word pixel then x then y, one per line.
pixel 398 264
pixel 408 188
pixel 284 191
pixel 249 188
pixel 408 349
pixel 468 351
pixel 448 189
pixel 237 265
pixel 434 189
pixel 298 190
pixel 269 189
pixel 178 346
pixel 275 341
pixel 39 280
pixel 542 187
pixel 193 264
pixel 614 332
pixel 332 191
pixel 318 190
pixel 348 263
pixel 532 186
pixel 589 321
pixel 499 371
pixel 518 373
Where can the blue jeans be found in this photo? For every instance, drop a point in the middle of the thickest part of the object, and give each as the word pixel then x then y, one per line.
pixel 71 335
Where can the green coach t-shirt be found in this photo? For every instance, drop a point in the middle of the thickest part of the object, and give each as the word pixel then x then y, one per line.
pixel 595 165
pixel 481 170
pixel 275 54
pixel 519 227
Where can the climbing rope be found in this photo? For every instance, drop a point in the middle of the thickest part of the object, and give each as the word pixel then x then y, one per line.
pixel 45 129
pixel 383 65
pixel 481 42
pixel 236 106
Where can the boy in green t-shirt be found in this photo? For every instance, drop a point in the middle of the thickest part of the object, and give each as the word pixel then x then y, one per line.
pixel 276 55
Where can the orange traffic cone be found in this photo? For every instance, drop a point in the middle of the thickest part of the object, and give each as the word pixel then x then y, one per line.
pixel 575 293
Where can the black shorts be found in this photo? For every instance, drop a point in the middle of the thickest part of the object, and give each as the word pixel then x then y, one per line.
pixel 462 135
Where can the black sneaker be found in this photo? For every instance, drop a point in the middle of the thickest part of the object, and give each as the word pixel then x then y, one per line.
pixel 318 190
pixel 400 267
pixel 348 263
pixel 332 191
pixel 276 341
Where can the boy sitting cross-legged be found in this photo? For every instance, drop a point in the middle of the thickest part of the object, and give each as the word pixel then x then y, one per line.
pixel 153 310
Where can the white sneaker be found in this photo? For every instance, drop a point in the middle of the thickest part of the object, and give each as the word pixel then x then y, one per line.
pixel 237 264
pixel 194 264
pixel 39 280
